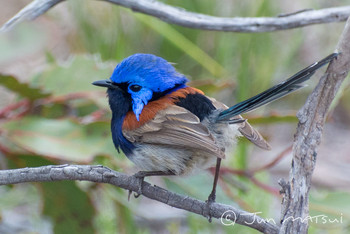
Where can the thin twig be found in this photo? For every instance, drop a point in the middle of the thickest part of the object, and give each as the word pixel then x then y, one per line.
pixel 179 16
pixel 102 174
pixel 6 111
pixel 30 12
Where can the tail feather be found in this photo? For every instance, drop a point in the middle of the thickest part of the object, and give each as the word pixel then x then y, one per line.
pixel 288 86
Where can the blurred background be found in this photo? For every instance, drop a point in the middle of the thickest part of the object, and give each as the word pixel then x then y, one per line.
pixel 51 114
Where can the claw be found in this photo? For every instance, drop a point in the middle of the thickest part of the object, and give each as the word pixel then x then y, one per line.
pixel 140 176
pixel 136 195
pixel 129 194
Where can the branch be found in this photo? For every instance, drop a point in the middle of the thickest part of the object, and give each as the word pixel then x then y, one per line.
pixel 102 174
pixel 30 12
pixel 179 16
pixel 295 206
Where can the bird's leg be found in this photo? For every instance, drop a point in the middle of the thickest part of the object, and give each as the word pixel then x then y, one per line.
pixel 141 176
pixel 212 195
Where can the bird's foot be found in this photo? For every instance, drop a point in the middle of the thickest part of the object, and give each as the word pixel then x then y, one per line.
pixel 140 176
pixel 209 202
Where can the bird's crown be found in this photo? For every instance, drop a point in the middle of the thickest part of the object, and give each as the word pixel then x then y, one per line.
pixel 149 71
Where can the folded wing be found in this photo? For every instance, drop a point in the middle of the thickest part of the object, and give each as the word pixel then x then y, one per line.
pixel 176 127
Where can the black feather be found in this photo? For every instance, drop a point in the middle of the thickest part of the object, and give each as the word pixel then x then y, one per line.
pixel 198 104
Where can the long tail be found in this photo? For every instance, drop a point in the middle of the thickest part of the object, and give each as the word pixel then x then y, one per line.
pixel 282 89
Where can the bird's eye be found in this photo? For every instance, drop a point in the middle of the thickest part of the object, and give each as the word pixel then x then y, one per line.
pixel 135 88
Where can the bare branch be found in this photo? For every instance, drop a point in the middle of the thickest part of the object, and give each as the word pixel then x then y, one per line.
pixel 102 174
pixel 30 12
pixel 188 19
pixel 295 206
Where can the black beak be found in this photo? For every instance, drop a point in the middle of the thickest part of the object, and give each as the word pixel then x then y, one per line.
pixel 105 83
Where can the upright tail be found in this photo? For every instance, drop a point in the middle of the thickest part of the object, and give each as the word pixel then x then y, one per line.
pixel 282 89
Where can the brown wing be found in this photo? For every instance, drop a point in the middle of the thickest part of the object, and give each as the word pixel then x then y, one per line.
pixel 246 129
pixel 176 127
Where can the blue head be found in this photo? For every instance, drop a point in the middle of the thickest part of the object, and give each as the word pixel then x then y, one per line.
pixel 136 81
pixel 144 77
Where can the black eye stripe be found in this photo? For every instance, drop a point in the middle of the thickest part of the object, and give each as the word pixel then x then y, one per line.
pixel 135 88
pixel 123 86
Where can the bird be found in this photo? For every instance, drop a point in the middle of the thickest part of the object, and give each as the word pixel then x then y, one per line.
pixel 167 127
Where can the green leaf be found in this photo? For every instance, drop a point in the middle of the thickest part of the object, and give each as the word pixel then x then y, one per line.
pixel 23 89
pixel 61 139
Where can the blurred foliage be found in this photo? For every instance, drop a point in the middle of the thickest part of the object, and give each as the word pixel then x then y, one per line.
pixel 24 90
pixel 59 117
pixel 61 139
